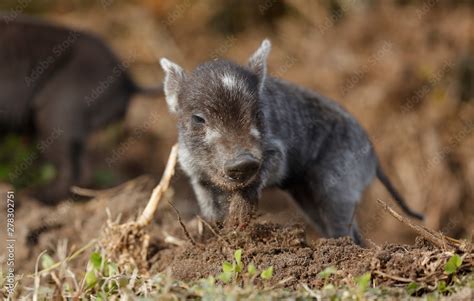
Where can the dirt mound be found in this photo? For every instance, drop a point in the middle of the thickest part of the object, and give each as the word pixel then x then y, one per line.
pixel 296 261
pixel 265 245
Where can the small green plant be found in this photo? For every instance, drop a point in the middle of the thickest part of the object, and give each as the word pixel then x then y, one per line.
pixel 267 274
pixel 453 264
pixel 442 287
pixel 412 288
pixel 233 271
pixel 46 261
pixel 98 275
pixel 251 270
pixel 363 282
pixel 326 273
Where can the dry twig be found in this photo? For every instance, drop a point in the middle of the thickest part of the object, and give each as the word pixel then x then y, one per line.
pixel 188 236
pixel 150 209
pixel 429 265
pixel 214 231
pixel 435 238
pixel 128 243
pixel 93 193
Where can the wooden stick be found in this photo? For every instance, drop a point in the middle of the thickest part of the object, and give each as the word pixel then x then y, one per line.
pixel 150 209
pixel 213 231
pixel 91 193
pixel 401 279
pixel 433 237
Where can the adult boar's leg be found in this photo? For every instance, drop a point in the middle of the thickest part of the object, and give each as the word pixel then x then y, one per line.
pixel 61 128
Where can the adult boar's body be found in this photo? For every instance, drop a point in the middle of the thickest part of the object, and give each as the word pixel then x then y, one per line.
pixel 60 85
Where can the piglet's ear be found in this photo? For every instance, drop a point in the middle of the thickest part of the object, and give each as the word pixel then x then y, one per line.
pixel 174 77
pixel 258 61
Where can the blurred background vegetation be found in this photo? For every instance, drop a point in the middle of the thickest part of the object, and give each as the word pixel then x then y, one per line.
pixel 404 68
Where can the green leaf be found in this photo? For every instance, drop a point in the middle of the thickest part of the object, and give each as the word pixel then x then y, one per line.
pixel 91 279
pixel 225 277
pixel 227 267
pixel 251 269
pixel 238 256
pixel 363 281
pixel 453 264
pixel 46 261
pixel 238 267
pixel 267 273
pixel 411 288
pixel 96 260
pixel 442 286
pixel 328 271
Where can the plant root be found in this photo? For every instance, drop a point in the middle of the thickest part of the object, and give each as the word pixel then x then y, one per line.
pixel 127 244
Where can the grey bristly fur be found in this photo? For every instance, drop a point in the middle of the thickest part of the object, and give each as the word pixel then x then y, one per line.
pixel 306 144
pixel 61 85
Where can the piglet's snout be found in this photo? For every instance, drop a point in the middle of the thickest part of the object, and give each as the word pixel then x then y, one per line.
pixel 242 167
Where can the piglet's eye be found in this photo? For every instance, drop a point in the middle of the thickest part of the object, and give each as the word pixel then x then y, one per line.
pixel 198 119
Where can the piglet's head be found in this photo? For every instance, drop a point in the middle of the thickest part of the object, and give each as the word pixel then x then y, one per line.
pixel 220 118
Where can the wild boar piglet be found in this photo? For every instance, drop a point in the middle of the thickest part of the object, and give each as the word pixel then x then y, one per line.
pixel 241 130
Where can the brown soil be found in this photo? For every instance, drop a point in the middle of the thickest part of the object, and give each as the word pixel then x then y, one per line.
pixel 266 244
pixel 295 257
pixel 295 260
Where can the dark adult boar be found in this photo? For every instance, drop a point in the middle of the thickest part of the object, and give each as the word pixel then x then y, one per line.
pixel 241 130
pixel 60 84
